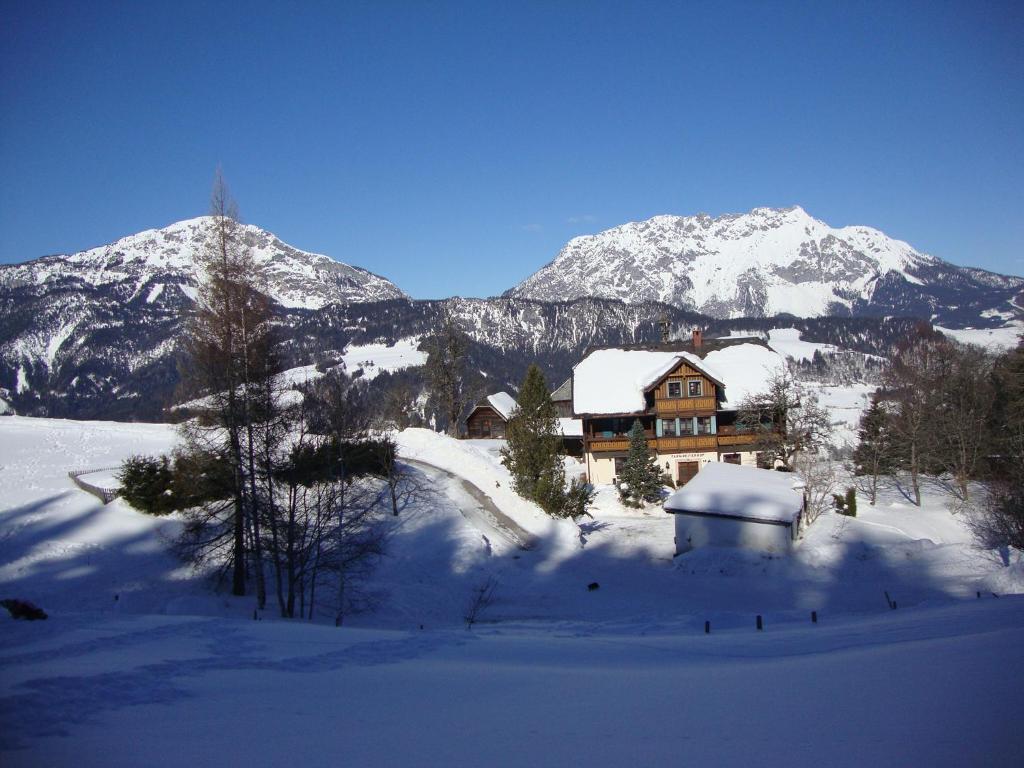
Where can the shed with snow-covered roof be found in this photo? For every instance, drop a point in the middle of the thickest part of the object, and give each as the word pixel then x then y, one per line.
pixel 726 505
pixel 489 417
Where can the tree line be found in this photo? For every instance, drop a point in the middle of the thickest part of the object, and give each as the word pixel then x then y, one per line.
pixel 954 412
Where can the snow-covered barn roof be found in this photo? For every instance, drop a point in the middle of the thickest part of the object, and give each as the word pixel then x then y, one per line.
pixel 503 403
pixel 564 392
pixel 614 380
pixel 749 493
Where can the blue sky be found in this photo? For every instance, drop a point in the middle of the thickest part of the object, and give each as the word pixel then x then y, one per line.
pixel 455 147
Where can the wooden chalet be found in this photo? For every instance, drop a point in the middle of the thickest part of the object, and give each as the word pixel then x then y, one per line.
pixel 489 417
pixel 674 391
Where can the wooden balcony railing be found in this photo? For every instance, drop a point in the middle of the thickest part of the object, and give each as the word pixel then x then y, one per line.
pixel 728 437
pixel 687 443
pixel 677 406
pixel 608 444
pixel 741 438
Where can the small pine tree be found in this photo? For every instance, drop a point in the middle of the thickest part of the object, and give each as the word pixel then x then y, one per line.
pixel 640 479
pixel 851 502
pixel 875 454
pixel 533 449
pixel 146 484
pixel 578 499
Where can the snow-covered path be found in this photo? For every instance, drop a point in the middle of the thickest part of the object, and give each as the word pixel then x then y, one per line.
pixel 478 507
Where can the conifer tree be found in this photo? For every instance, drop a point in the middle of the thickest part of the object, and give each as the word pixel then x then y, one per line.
pixel 640 479
pixel 534 442
pixel 875 454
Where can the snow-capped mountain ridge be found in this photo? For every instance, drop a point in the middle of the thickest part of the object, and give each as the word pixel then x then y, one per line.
pixel 765 262
pixel 157 258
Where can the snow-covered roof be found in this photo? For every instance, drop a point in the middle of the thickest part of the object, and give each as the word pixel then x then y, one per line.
pixel 564 392
pixel 745 492
pixel 614 380
pixel 503 403
pixel 744 369
pixel 570 427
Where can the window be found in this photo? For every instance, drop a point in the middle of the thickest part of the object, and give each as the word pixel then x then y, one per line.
pixel 686 426
pixel 703 425
pixel 694 388
pixel 620 464
pixel 668 427
pixel 675 389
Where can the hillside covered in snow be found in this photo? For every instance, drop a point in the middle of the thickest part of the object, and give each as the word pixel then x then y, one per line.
pixel 140 645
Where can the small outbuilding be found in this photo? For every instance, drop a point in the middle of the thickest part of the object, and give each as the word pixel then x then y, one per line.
pixel 726 505
pixel 489 417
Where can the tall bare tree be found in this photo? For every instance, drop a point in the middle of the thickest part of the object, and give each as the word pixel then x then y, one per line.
pixel 909 386
pixel 941 395
pixel 445 369
pixel 229 345
pixel 785 418
pixel 966 393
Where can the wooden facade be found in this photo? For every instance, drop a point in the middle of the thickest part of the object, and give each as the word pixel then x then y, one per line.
pixel 485 423
pixel 562 399
pixel 681 417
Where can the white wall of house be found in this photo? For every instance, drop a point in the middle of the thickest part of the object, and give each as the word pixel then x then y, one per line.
pixel 601 466
pixel 673 459
pixel 704 531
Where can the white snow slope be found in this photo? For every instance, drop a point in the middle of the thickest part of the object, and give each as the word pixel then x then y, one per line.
pixel 172 674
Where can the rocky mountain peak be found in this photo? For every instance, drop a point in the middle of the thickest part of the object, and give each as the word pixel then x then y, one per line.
pixel 765 262
pixel 168 257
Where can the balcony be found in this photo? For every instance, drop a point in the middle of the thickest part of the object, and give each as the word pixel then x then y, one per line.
pixel 729 435
pixel 611 440
pixel 740 438
pixel 686 443
pixel 684 406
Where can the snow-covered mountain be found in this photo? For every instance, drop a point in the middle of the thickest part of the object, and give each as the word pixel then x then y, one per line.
pixel 95 334
pixel 165 260
pixel 772 261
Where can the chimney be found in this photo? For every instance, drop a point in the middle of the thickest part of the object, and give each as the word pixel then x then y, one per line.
pixel 698 339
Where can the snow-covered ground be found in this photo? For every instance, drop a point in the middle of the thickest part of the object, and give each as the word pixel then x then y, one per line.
pixel 996 339
pixel 371 359
pixel 171 673
pixel 375 358
pixel 789 343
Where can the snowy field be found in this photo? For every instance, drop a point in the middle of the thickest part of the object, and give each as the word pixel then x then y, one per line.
pixel 173 673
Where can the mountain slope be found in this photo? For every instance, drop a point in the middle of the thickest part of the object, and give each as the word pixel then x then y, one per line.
pixel 159 260
pixel 772 261
pixel 94 333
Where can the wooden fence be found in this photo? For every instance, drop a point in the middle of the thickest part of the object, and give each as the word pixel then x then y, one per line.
pixel 103 494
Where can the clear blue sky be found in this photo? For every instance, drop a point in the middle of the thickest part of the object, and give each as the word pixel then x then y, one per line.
pixel 455 147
